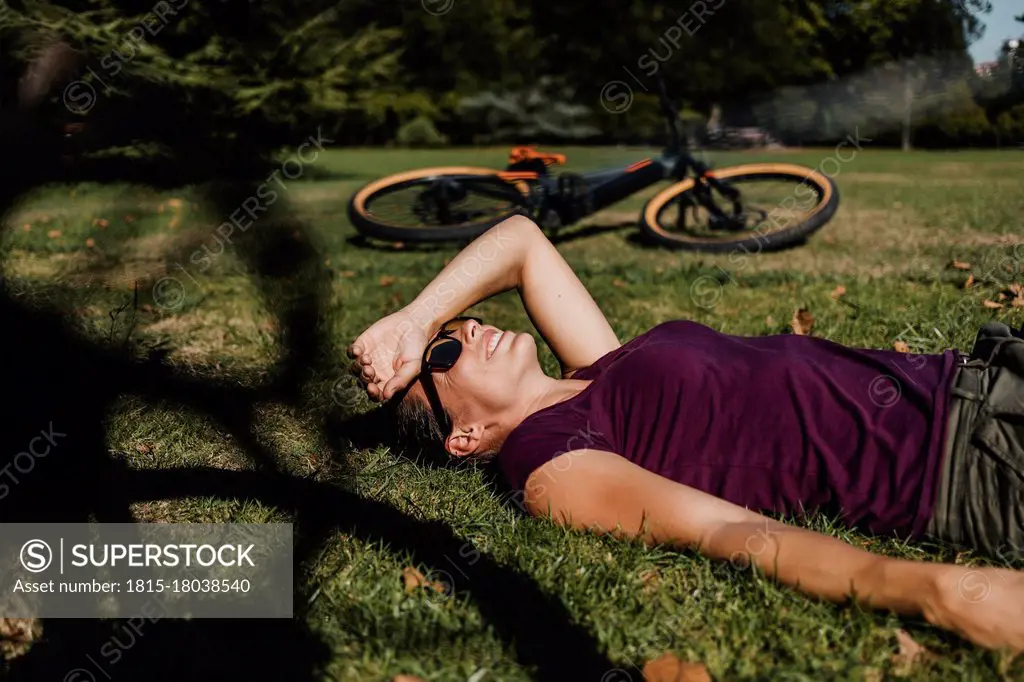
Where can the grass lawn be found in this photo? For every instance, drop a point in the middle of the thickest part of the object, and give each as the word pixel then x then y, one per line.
pixel 902 220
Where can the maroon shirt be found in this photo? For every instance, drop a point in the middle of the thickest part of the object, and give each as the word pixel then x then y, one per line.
pixel 776 423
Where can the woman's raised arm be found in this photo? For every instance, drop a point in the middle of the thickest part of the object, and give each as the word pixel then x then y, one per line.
pixel 514 254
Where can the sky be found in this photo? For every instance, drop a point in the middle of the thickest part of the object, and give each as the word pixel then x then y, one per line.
pixel 999 25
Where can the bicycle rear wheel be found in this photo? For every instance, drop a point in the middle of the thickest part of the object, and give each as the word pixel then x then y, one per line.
pixel 779 205
pixel 437 204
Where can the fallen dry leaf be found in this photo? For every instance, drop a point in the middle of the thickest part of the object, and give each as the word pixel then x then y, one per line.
pixel 829 239
pixel 406 678
pixel 26 227
pixel 910 653
pixel 802 322
pixel 960 265
pixel 969 282
pixel 100 223
pixel 901 346
pixel 17 635
pixel 347 274
pixel 129 219
pixel 175 205
pixel 413 579
pixel 1018 302
pixel 992 304
pixel 398 246
pixel 650 578
pixel 1002 296
pixel 838 292
pixel 17 629
pixel 873 675
pixel 53 234
pixel 1016 289
pixel 90 242
pixel 769 321
pixel 386 281
pixel 668 668
pixel 619 283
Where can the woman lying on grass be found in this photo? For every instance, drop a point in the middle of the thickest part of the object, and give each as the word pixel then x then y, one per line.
pixel 683 434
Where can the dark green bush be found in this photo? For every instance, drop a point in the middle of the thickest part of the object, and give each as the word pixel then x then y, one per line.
pixel 420 132
pixel 541 113
pixel 1010 126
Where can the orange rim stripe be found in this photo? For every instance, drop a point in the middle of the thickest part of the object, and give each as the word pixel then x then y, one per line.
pixel 517 175
pixel 638 165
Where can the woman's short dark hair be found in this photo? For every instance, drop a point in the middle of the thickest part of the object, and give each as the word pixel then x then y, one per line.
pixel 417 424
pixel 416 420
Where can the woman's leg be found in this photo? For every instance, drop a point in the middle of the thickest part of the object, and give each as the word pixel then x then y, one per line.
pixel 980 501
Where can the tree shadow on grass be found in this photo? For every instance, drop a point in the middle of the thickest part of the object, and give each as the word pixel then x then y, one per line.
pixel 561 236
pixel 569 234
pixel 59 380
pixel 643 241
pixel 362 242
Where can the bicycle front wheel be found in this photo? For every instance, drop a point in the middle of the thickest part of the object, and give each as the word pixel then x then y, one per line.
pixel 778 205
pixel 437 204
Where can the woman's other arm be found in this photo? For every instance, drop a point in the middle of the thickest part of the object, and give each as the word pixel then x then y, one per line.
pixel 602 491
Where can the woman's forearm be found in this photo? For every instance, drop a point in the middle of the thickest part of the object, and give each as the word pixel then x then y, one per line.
pixel 827 567
pixel 491 264
pixel 515 254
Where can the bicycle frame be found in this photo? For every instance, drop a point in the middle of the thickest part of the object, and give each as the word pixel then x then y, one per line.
pixel 574 196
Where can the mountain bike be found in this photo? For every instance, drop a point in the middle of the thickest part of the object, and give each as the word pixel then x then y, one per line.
pixel 758 206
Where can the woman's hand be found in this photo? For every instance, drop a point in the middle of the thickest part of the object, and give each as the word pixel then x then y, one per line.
pixel 388 355
pixel 983 605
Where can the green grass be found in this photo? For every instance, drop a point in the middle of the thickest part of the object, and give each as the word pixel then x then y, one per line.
pixel 901 221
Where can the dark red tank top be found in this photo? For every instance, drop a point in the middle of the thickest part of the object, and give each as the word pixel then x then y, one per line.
pixel 777 423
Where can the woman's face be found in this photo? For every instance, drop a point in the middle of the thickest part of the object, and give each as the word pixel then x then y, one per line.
pixel 489 370
pixel 484 385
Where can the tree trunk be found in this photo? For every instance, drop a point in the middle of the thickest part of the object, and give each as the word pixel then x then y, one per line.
pixel 908 110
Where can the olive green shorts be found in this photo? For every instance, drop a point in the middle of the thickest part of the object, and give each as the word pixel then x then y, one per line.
pixel 980 500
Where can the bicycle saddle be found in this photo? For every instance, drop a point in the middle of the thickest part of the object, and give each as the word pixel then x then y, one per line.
pixel 520 154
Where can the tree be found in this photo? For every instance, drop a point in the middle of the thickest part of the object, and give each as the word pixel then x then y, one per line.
pixel 213 72
pixel 908 34
pixel 706 52
pixel 223 69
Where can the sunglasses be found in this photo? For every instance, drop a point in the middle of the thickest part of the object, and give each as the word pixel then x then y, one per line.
pixel 441 354
pixel 444 350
